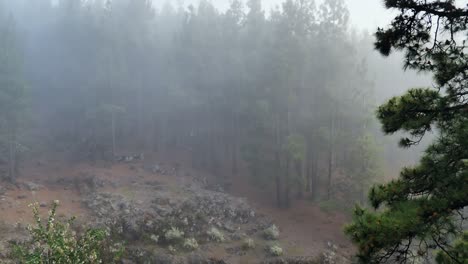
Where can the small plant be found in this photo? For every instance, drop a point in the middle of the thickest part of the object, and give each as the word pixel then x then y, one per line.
pixel 56 242
pixel 275 250
pixel 271 233
pixel 215 235
pixel 154 238
pixel 190 244
pixel 173 235
pixel 248 243
pixel 172 250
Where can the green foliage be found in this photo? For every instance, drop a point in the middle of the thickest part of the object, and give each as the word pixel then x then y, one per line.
pixel 275 250
pixel 400 113
pixel 56 242
pixel 296 147
pixel 271 233
pixel 174 235
pixel 215 235
pixel 172 249
pixel 255 83
pixel 365 165
pixel 12 94
pixel 458 252
pixel 421 209
pixel 154 238
pixel 190 244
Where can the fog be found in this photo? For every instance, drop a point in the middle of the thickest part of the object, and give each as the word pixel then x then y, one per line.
pixel 280 98
pixel 364 14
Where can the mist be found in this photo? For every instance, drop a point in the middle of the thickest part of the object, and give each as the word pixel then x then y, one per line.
pixel 124 102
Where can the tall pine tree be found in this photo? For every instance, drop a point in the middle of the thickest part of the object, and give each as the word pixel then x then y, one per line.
pixel 422 209
pixel 12 94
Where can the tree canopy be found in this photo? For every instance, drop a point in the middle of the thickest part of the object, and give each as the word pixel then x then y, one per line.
pixel 285 94
pixel 423 209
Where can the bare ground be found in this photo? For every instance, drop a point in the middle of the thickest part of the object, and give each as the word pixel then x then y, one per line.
pixel 305 228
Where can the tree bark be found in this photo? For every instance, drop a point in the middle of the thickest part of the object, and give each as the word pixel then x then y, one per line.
pixel 235 143
pixel 113 134
pixel 278 165
pixel 330 158
pixel 11 159
pixel 287 191
pixel 300 175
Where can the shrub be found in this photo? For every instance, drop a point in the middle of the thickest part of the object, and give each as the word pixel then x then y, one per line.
pixel 248 243
pixel 275 250
pixel 56 242
pixel 154 238
pixel 215 235
pixel 173 235
pixel 190 244
pixel 172 250
pixel 272 233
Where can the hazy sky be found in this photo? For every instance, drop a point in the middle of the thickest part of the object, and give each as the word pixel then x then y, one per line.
pixel 365 14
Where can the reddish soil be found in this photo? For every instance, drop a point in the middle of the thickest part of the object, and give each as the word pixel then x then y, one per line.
pixel 304 226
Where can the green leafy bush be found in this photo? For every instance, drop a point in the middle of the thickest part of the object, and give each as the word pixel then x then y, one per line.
pixel 190 244
pixel 271 233
pixel 56 242
pixel 215 235
pixel 173 235
pixel 172 250
pixel 154 238
pixel 275 250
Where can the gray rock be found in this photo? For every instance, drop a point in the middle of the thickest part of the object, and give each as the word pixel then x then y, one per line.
pixel 31 186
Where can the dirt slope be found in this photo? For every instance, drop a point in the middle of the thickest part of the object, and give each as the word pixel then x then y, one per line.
pixel 305 229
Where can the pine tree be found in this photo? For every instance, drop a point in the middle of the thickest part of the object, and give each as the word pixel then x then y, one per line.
pixel 12 95
pixel 422 209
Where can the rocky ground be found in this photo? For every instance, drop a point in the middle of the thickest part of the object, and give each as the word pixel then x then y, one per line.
pixel 163 217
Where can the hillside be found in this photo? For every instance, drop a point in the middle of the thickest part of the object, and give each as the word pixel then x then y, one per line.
pixel 140 201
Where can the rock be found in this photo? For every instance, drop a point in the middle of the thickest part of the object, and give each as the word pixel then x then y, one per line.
pixel 43 204
pixel 88 183
pixel 229 227
pixel 31 186
pixel 292 260
pixel 237 236
pixel 192 210
pixel 21 196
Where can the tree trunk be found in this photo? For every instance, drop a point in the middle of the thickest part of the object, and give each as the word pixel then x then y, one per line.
pixel 308 183
pixel 330 158
pixel 113 134
pixel 314 178
pixel 278 179
pixel 212 143
pixel 277 164
pixel 11 159
pixel 287 198
pixel 235 143
pixel 300 185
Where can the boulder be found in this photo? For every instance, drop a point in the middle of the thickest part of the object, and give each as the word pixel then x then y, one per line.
pixel 31 186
